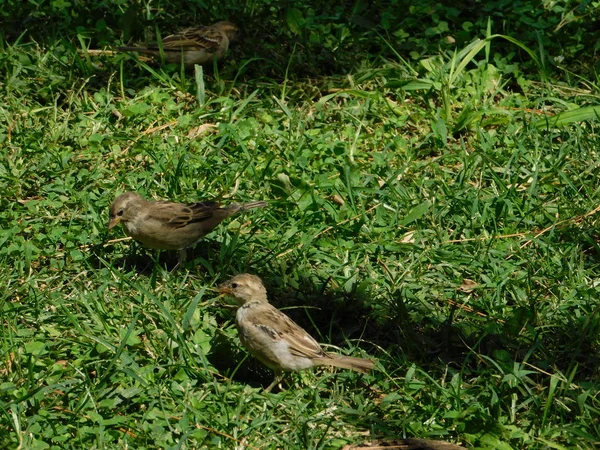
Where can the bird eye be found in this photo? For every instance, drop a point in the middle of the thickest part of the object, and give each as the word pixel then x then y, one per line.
pixel 120 213
pixel 234 285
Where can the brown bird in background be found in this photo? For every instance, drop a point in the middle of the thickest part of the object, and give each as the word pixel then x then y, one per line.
pixel 275 339
pixel 405 444
pixel 191 46
pixel 168 225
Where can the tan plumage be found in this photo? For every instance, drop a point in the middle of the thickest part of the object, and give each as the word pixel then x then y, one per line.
pixel 275 339
pixel 406 444
pixel 168 225
pixel 191 46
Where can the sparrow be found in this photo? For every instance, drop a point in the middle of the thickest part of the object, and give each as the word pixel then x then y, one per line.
pixel 408 444
pixel 168 225
pixel 197 45
pixel 275 339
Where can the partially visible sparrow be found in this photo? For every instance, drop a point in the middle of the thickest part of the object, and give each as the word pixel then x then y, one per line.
pixel 407 444
pixel 168 225
pixel 275 339
pixel 191 46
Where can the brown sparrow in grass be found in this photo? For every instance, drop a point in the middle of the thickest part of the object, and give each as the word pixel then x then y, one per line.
pixel 409 444
pixel 191 46
pixel 168 225
pixel 275 339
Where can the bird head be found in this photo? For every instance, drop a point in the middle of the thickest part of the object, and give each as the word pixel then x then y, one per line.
pixel 245 288
pixel 230 29
pixel 125 207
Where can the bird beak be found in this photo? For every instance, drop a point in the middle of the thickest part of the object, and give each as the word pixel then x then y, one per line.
pixel 113 222
pixel 224 289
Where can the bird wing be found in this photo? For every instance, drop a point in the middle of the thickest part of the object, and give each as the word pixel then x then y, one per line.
pixel 194 38
pixel 179 215
pixel 280 327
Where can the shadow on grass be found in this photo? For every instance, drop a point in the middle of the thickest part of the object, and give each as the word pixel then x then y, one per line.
pixel 143 261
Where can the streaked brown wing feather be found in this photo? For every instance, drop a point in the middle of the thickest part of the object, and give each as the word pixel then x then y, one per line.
pixel 178 215
pixel 281 327
pixel 210 39
pixel 196 38
pixel 200 208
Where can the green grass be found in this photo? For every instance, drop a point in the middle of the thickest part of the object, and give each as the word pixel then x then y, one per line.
pixel 392 181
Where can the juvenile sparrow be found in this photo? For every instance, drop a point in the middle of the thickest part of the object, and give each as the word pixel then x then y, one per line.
pixel 409 444
pixel 275 339
pixel 196 45
pixel 168 225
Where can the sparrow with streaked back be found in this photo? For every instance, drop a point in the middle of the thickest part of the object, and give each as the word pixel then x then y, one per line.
pixel 275 339
pixel 197 45
pixel 169 225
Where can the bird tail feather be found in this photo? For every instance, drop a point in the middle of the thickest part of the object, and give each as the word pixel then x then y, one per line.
pixel 362 365
pixel 250 205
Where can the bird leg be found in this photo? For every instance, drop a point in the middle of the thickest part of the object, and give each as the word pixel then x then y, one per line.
pixel 181 257
pixel 276 381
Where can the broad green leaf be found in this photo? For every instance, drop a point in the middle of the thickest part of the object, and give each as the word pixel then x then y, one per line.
pixel 567 117
pixel 413 84
pixel 136 109
pixel 416 213
pixel 35 348
pixel 295 20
